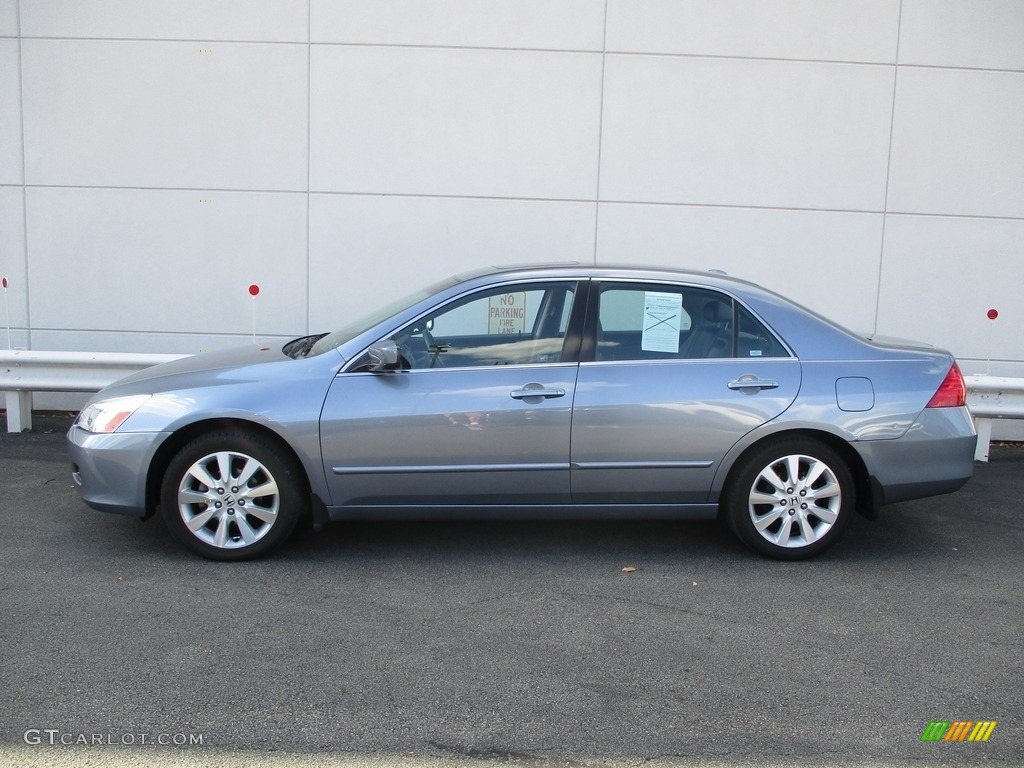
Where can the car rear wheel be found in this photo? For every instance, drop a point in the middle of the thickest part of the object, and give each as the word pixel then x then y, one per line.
pixel 231 495
pixel 790 499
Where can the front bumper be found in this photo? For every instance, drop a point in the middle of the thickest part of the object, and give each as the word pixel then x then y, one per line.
pixel 109 470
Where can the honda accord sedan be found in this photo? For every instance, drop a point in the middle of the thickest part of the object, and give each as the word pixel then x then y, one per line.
pixel 536 392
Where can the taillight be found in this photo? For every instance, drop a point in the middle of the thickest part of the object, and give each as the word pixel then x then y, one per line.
pixel 952 392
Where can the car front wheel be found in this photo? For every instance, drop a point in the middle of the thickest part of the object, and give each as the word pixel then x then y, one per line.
pixel 790 499
pixel 231 495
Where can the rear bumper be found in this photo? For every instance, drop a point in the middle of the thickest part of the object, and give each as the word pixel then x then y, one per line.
pixel 109 471
pixel 935 456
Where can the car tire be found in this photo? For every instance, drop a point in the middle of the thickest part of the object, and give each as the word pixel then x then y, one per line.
pixel 790 499
pixel 232 495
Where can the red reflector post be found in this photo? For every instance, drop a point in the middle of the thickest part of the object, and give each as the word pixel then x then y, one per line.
pixel 952 392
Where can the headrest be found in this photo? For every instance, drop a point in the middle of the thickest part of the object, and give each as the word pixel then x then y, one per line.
pixel 717 312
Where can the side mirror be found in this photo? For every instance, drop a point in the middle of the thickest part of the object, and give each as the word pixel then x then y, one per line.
pixel 383 356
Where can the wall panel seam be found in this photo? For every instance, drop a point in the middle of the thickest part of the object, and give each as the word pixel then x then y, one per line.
pixel 600 133
pixel 24 179
pixel 520 199
pixel 603 52
pixel 309 154
pixel 888 173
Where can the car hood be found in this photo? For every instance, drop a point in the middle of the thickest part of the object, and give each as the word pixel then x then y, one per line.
pixel 255 383
pixel 239 357
pixel 199 370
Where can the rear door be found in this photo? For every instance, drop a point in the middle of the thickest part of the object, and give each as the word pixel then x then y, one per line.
pixel 675 376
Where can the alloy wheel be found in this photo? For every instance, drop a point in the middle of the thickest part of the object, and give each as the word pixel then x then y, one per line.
pixel 228 500
pixel 795 500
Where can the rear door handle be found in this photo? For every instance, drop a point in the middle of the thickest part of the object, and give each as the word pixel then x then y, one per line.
pixel 752 383
pixel 538 391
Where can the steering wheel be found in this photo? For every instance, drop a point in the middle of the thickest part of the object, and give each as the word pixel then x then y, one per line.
pixel 419 349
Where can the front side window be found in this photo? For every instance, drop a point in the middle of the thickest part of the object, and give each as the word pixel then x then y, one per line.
pixel 666 322
pixel 511 325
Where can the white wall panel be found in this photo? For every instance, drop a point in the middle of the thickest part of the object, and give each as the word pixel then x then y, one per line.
pixel 750 136
pixel 963 33
pixel 13 304
pixel 730 132
pixel 10 114
pixel 165 114
pixel 940 276
pixel 454 122
pixel 167 261
pixel 365 251
pixel 8 18
pixel 823 30
pixel 826 261
pixel 553 24
pixel 19 338
pixel 259 20
pixel 958 143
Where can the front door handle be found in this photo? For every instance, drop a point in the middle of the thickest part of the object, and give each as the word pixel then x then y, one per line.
pixel 536 392
pixel 750 384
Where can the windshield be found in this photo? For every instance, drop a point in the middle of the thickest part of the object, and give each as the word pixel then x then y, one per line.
pixel 351 330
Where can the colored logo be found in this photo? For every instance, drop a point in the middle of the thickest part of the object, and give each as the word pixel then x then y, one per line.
pixel 958 730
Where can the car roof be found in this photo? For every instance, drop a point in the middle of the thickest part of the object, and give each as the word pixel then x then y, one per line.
pixel 617 271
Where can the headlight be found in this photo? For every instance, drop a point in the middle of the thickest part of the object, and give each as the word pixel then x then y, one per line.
pixel 108 415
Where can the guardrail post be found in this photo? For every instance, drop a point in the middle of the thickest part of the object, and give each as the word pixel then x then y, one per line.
pixel 19 410
pixel 984 429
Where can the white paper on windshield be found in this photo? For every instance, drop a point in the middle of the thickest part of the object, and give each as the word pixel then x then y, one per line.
pixel 663 314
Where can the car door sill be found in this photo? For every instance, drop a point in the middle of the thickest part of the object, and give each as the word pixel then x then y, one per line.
pixel 524 512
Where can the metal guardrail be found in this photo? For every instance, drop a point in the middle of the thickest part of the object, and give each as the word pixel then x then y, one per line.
pixel 990 398
pixel 23 372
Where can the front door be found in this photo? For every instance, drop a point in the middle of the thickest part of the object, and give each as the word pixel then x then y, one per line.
pixel 479 413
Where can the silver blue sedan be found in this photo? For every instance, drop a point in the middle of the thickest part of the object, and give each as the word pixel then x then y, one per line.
pixel 537 392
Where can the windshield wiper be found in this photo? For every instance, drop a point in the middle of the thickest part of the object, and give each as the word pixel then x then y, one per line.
pixel 301 347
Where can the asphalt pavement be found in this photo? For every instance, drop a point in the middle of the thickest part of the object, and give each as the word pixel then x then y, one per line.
pixel 474 644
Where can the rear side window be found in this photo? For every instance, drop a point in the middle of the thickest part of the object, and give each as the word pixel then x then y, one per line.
pixel 654 322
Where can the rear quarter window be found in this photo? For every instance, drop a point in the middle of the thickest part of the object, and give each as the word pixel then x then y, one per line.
pixel 753 339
